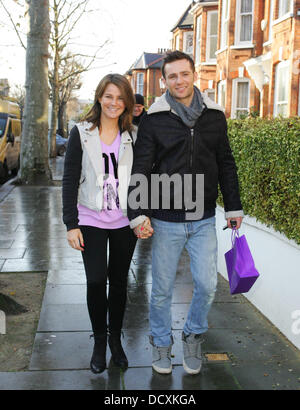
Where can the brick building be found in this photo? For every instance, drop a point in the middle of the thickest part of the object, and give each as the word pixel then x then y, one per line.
pixel 246 54
pixel 145 74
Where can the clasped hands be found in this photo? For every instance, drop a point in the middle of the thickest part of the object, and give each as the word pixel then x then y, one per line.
pixel 144 230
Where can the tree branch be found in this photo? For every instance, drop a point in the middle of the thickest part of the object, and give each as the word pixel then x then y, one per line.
pixel 13 23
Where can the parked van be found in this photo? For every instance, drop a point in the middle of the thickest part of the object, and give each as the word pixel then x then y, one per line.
pixel 10 138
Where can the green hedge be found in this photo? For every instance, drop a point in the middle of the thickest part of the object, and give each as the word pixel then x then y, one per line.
pixel 267 154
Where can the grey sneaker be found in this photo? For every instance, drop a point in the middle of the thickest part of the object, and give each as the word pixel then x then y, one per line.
pixel 161 358
pixel 192 359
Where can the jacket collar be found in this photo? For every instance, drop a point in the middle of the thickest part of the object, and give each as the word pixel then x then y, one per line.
pixel 125 136
pixel 162 105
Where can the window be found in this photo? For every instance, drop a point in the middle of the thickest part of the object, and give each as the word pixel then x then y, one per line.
pixel 224 23
pixel 177 42
pixel 285 6
pixel 2 126
pixel 240 97
pixel 222 93
pixel 281 89
pixel 212 36
pixel 188 42
pixel 271 16
pixel 140 84
pixel 244 22
pixel 198 40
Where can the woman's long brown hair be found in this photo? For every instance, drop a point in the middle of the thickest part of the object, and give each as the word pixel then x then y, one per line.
pixel 125 120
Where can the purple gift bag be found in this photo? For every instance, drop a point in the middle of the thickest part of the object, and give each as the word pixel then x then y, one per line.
pixel 240 265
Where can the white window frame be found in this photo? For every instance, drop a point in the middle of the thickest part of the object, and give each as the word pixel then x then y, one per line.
pixel 222 84
pixel 271 19
pixel 177 42
pixel 238 25
pixel 234 96
pixel 198 40
pixel 224 24
pixel 282 64
pixel 281 4
pixel 139 83
pixel 209 36
pixel 186 36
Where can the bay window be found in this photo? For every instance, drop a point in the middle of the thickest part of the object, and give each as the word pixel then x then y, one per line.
pixel 240 97
pixel 222 93
pixel 212 36
pixel 244 22
pixel 281 89
pixel 140 84
pixel 284 7
pixel 198 40
pixel 224 23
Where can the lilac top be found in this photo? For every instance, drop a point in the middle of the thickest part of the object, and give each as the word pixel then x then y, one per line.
pixel 111 216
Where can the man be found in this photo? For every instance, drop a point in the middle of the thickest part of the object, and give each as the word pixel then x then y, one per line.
pixel 183 133
pixel 139 109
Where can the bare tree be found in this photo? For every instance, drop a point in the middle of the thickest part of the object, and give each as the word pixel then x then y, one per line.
pixel 19 95
pixel 34 147
pixel 70 80
pixel 65 15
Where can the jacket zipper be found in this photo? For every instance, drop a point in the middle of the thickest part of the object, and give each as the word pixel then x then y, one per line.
pixel 192 148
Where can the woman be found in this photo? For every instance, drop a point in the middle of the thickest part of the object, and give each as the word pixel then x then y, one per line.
pixel 96 177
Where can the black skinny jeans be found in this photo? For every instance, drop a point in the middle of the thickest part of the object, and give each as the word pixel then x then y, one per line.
pixel 121 247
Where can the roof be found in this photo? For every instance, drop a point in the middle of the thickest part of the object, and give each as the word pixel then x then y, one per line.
pixel 186 20
pixel 148 60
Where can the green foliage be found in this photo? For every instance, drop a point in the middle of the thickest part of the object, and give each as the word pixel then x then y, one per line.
pixel 267 154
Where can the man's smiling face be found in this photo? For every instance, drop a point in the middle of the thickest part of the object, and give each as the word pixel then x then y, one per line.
pixel 179 79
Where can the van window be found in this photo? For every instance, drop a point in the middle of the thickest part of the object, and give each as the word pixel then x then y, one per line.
pixel 2 126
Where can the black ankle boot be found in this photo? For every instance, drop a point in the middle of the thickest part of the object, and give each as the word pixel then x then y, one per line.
pixel 98 360
pixel 118 356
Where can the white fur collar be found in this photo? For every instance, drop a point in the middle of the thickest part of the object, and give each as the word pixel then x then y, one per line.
pixel 161 105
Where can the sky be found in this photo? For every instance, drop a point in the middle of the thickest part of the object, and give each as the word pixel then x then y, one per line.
pixel 131 27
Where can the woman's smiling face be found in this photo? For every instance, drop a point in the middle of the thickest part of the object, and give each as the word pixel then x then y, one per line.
pixel 112 102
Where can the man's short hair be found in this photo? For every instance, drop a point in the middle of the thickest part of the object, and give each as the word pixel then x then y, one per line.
pixel 172 56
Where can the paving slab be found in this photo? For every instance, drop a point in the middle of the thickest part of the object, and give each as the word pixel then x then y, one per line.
pixel 25 265
pixel 5 243
pixel 16 253
pixel 37 265
pixel 66 277
pixel 64 318
pixel 64 294
pixel 244 345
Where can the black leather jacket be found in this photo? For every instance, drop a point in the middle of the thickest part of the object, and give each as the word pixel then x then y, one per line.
pixel 165 145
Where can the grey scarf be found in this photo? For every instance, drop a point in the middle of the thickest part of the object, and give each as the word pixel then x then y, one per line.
pixel 189 115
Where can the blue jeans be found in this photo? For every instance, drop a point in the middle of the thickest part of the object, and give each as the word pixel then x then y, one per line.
pixel 169 238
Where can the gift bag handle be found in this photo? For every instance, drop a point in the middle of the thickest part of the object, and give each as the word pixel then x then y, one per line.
pixel 234 232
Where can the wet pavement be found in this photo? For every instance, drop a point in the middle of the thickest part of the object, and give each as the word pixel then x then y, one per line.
pixel 242 350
